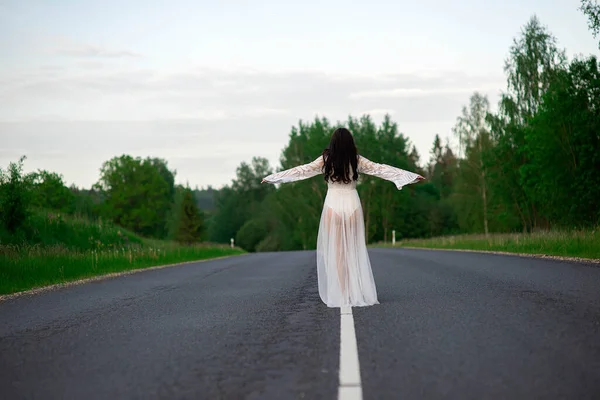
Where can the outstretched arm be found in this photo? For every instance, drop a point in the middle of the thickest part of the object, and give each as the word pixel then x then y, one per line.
pixel 298 173
pixel 399 176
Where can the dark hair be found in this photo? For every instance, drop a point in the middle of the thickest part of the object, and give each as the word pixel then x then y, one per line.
pixel 340 156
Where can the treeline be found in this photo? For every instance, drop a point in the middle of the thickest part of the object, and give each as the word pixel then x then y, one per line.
pixel 264 218
pixel 134 193
pixel 532 165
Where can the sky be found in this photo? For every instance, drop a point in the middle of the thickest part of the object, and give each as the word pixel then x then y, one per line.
pixel 207 85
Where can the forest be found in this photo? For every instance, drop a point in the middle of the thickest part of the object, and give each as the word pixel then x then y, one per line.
pixel 532 165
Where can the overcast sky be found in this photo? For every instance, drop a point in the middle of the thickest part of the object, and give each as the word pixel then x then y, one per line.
pixel 209 84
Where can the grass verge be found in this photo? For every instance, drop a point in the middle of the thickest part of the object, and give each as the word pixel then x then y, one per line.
pixel 576 244
pixel 28 267
pixel 59 249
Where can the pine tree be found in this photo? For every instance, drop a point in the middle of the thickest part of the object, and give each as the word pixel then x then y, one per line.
pixel 191 221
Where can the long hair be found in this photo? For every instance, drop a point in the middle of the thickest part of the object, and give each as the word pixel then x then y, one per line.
pixel 339 157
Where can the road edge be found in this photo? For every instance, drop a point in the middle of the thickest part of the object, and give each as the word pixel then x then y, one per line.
pixel 595 261
pixel 55 286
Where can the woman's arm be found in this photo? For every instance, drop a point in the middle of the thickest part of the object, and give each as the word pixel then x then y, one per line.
pixel 298 173
pixel 399 176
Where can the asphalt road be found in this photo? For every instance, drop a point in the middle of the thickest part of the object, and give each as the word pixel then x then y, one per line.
pixel 450 326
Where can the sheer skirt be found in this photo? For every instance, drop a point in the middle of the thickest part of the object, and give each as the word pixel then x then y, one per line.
pixel 343 265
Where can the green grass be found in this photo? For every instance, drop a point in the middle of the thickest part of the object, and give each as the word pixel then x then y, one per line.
pixel 56 250
pixel 48 229
pixel 579 244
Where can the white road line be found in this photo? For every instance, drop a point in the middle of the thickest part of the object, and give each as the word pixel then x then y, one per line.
pixel 350 385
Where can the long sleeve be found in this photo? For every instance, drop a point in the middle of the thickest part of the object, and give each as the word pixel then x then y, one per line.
pixel 298 173
pixel 399 176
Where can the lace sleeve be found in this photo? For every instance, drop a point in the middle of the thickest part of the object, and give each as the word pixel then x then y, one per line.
pixel 297 173
pixel 399 176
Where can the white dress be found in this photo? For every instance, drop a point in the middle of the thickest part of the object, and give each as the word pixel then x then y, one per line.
pixel 343 265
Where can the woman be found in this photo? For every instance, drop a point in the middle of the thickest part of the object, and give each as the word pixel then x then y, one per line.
pixel 343 265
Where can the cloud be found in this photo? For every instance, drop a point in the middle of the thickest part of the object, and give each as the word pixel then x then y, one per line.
pixel 73 49
pixel 258 112
pixel 92 65
pixel 421 92
pixel 101 92
pixel 98 91
pixel 50 68
pixel 378 112
pixel 91 110
pixel 204 152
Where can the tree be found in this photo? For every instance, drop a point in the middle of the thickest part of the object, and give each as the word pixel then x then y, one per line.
pixel 533 62
pixel 240 201
pixel 438 189
pixel 206 198
pixel 442 166
pixel 190 227
pixel 473 135
pixel 174 215
pixel 591 9
pixel 15 196
pixel 86 203
pixel 563 144
pixel 137 193
pixel 251 234
pixel 49 192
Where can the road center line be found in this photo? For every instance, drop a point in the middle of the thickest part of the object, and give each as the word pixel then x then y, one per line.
pixel 350 385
